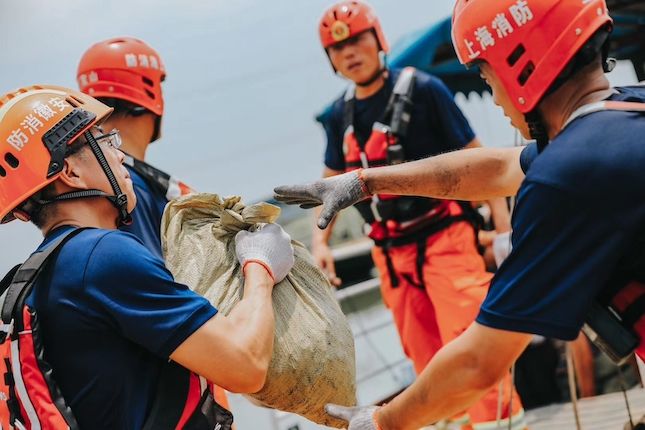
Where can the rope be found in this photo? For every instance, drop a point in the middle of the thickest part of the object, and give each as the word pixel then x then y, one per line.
pixel 623 388
pixel 510 400
pixel 572 386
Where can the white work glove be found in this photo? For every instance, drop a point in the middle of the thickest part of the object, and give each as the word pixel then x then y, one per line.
pixel 358 417
pixel 334 193
pixel 269 246
pixel 502 247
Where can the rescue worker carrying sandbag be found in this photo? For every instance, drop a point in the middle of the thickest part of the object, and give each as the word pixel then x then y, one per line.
pixel 313 351
pixel 432 277
pixel 578 253
pixel 126 74
pixel 95 330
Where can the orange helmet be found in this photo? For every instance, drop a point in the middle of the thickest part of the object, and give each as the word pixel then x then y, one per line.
pixel 346 19
pixel 123 68
pixel 528 43
pixel 37 124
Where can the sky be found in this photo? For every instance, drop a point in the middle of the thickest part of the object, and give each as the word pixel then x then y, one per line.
pixel 244 81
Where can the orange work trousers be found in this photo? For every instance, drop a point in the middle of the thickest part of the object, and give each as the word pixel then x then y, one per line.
pixel 428 316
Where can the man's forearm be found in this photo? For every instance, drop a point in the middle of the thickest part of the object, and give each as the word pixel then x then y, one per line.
pixel 253 316
pixel 456 377
pixel 469 174
pixel 448 385
pixel 234 351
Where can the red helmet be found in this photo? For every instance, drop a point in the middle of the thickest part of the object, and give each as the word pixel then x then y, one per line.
pixel 36 125
pixel 347 19
pixel 123 68
pixel 527 43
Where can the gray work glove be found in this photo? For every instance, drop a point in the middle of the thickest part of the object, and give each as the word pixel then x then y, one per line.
pixel 334 193
pixel 269 246
pixel 358 417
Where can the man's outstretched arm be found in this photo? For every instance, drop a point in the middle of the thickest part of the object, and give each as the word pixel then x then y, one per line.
pixel 459 374
pixel 469 174
pixel 456 377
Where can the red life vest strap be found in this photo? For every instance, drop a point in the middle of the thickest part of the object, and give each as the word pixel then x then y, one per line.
pixel 34 399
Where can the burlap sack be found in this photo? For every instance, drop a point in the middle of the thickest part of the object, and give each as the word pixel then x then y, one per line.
pixel 313 358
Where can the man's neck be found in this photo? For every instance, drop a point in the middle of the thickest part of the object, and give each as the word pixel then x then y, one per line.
pixel 134 145
pixel 94 212
pixel 588 86
pixel 363 92
pixel 135 133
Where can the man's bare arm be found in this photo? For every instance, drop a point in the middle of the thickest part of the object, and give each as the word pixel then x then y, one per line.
pixel 469 174
pixel 456 377
pixel 234 351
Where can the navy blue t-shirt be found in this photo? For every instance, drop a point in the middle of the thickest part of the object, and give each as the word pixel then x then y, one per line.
pixel 110 317
pixel 146 217
pixel 578 227
pixel 437 123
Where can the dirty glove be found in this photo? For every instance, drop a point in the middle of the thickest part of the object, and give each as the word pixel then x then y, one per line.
pixel 334 193
pixel 269 246
pixel 358 417
pixel 502 247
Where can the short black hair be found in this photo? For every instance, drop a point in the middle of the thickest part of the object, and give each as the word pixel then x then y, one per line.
pixel 595 50
pixel 40 213
pixel 123 108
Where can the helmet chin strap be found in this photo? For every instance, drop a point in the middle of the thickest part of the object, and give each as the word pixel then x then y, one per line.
pixel 537 129
pixel 156 134
pixel 119 199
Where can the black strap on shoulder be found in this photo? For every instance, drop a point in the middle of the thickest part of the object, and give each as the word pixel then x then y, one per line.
pixel 348 108
pixel 399 107
pixel 155 178
pixel 6 281
pixel 26 275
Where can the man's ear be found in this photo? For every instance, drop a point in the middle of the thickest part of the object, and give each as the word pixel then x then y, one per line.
pixel 74 173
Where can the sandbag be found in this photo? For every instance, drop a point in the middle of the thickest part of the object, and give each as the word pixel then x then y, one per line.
pixel 313 358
